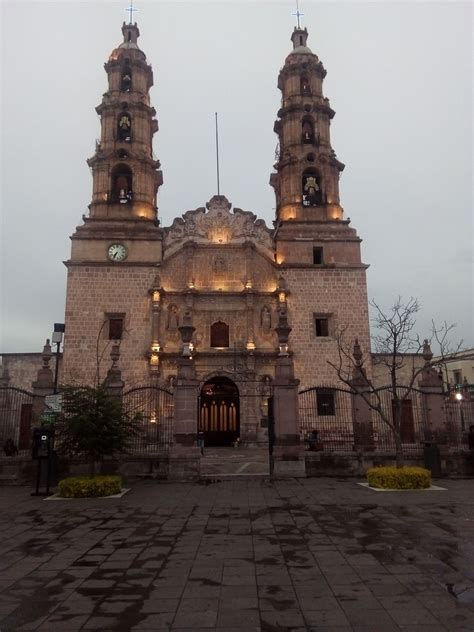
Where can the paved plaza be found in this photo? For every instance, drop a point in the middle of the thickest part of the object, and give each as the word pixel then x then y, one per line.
pixel 321 555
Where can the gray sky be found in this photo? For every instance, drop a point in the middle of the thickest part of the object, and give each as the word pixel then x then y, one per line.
pixel 399 78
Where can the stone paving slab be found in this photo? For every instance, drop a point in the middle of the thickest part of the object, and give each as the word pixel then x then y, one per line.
pixel 314 555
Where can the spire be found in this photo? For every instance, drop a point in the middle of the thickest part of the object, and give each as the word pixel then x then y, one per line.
pixel 131 34
pixel 299 38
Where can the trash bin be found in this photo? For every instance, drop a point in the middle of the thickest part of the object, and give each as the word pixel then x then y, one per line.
pixel 432 458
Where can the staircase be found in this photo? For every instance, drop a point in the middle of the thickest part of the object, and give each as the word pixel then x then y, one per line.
pixel 234 463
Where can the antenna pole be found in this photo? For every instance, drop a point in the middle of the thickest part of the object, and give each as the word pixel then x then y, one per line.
pixel 217 158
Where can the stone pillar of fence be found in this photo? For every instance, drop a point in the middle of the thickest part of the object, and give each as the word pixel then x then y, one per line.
pixel 44 384
pixel 361 411
pixel 4 378
pixel 185 456
pixel 431 385
pixel 113 382
pixel 288 458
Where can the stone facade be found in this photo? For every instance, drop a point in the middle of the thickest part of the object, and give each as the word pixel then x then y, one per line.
pixel 221 268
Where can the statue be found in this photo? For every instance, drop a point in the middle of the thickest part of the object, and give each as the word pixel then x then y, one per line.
pixel 173 318
pixel 266 318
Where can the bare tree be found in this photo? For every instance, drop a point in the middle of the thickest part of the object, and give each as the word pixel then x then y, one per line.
pixel 398 348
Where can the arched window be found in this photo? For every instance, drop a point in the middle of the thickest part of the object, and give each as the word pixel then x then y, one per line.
pixel 307 130
pixel 126 81
pixel 311 188
pixel 124 127
pixel 304 85
pixel 219 334
pixel 122 190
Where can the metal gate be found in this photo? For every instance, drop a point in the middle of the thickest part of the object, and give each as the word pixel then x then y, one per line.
pixel 156 405
pixel 328 411
pixel 16 409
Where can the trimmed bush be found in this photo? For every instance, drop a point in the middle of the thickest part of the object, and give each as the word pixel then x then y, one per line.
pixel 89 486
pixel 399 478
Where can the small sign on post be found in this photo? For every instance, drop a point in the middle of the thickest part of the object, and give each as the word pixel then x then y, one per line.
pixel 54 402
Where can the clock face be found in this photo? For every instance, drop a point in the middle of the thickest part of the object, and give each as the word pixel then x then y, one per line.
pixel 117 252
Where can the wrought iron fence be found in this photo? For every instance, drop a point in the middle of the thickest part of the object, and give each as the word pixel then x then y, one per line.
pixel 328 411
pixel 16 407
pixel 332 413
pixel 156 406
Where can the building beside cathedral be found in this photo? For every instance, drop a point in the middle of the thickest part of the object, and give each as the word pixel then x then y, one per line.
pixel 218 269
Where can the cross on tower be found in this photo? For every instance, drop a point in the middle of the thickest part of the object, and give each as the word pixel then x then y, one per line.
pixel 298 14
pixel 131 9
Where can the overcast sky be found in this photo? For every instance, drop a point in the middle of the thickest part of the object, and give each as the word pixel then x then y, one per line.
pixel 400 81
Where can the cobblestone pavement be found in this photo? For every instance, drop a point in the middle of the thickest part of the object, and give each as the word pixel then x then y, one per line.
pixel 301 555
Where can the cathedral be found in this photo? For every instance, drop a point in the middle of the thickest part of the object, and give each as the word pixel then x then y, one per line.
pixel 218 287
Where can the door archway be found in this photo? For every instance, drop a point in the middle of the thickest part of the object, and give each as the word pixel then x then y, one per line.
pixel 219 412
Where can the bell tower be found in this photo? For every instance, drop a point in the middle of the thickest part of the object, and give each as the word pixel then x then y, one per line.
pixel 115 252
pixel 316 250
pixel 126 176
pixel 306 181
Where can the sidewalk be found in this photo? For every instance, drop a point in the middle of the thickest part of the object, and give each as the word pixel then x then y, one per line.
pixel 318 555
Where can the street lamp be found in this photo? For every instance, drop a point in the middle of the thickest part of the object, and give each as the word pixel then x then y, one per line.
pixel 57 340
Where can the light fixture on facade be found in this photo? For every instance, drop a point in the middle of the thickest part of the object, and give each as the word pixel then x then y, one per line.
pixel 191 285
pixel 250 345
pixel 156 297
pixel 282 297
pixel 283 349
pixel 155 359
pixel 249 284
pixel 458 397
pixel 155 347
pixel 153 418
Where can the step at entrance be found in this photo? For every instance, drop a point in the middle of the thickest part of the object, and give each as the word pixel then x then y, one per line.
pixel 225 463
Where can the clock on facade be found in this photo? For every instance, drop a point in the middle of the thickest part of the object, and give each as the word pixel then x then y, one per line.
pixel 117 252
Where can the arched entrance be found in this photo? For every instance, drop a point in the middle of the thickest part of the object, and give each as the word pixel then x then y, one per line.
pixel 219 412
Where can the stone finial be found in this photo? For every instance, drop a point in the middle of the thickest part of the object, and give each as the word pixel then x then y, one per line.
pixel 427 353
pixel 115 354
pixel 281 283
pixel 186 329
pixel 283 331
pixel 47 354
pixel 156 282
pixel 4 377
pixel 357 353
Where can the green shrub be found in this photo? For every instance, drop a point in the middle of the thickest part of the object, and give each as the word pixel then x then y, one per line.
pixel 89 486
pixel 399 478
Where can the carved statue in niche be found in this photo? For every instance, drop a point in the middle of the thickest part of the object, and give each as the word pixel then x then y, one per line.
pixel 266 318
pixel 219 266
pixel 173 318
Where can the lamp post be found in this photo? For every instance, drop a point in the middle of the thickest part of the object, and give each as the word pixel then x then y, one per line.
pixel 57 340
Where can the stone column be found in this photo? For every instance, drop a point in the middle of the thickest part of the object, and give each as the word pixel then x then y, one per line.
pixel 361 411
pixel 288 459
pixel 185 456
pixel 44 384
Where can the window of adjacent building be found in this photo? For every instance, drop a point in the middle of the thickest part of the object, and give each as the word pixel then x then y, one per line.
pixel 407 424
pixel 322 325
pixel 457 377
pixel 219 334
pixel 115 327
pixel 318 255
pixel 325 402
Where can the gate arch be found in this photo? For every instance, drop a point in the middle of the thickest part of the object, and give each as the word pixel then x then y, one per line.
pixel 219 411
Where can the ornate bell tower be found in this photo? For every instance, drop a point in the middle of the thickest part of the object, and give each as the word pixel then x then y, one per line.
pixel 116 251
pixel 125 174
pixel 316 250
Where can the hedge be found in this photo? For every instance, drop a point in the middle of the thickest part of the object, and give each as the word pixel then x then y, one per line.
pixel 399 478
pixel 89 486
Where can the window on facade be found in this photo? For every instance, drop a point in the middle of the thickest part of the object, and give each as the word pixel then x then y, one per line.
pixel 321 324
pixel 219 334
pixel 115 327
pixel 126 81
pixel 307 131
pixel 311 188
pixel 317 255
pixel 457 377
pixel 325 401
pixel 124 127
pixel 304 85
pixel 407 424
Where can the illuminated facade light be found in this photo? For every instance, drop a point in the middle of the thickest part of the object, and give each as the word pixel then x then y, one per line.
pixel 248 285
